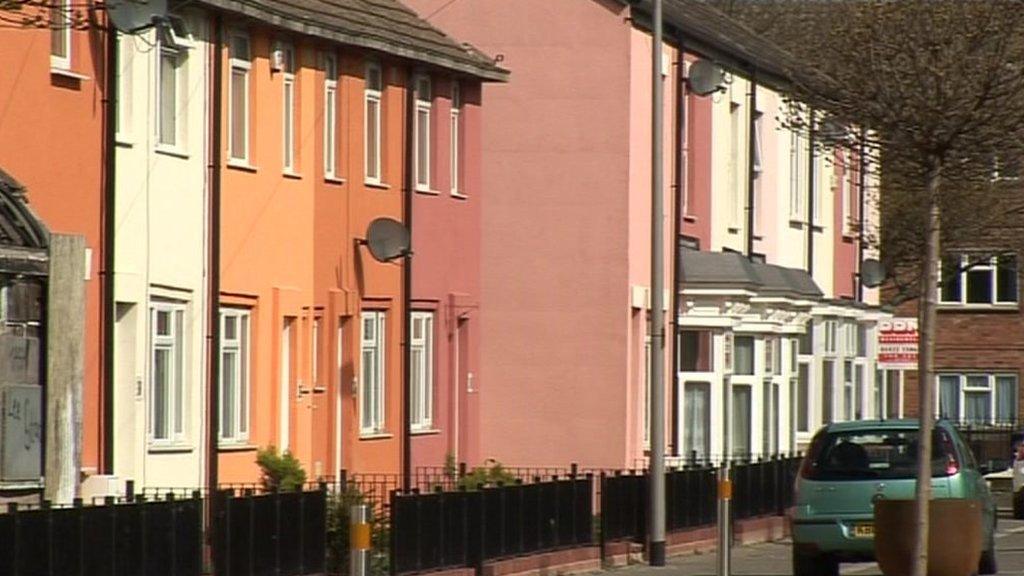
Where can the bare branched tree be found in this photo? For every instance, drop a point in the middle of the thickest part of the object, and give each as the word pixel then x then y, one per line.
pixel 933 92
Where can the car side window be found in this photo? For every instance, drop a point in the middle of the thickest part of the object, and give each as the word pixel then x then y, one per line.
pixel 967 456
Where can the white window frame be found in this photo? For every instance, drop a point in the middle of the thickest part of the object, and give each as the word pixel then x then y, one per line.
pixel 847 186
pixel 125 63
pixel 850 398
pixel 330 116
pixel 421 413
pixel 174 343
pixel 373 97
pixel 991 379
pixel 242 64
pixel 423 88
pixel 456 140
pixel 816 182
pixel 645 410
pixel 734 180
pixel 314 353
pixel 179 107
pixel 60 28
pixel 288 107
pixel 992 267
pixel 372 421
pixel 830 328
pixel 797 166
pixel 239 348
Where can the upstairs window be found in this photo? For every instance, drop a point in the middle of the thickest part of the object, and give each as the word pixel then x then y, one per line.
pixel 240 59
pixel 424 107
pixel 288 106
pixel 456 139
pixel 330 115
pixel 797 167
pixel 170 88
pixel 372 129
pixel 60 34
pixel 979 280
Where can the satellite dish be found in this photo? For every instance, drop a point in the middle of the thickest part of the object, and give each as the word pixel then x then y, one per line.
pixel 387 239
pixel 872 273
pixel 705 77
pixel 134 16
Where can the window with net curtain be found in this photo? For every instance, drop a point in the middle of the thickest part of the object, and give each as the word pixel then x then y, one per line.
pixel 741 419
pixel 697 418
pixel 978 398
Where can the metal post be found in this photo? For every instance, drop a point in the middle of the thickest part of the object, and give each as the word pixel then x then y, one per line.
pixel 724 527
pixel 656 556
pixel 724 549
pixel 359 540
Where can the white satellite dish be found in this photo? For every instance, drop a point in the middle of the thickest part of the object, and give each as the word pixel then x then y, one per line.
pixel 705 77
pixel 872 273
pixel 134 16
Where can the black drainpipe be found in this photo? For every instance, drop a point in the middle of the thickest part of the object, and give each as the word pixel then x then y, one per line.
pixel 810 195
pixel 862 200
pixel 677 225
pixel 751 173
pixel 213 322
pixel 109 215
pixel 410 110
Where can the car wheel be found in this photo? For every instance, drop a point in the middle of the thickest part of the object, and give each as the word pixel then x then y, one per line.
pixel 1018 504
pixel 806 564
pixel 988 562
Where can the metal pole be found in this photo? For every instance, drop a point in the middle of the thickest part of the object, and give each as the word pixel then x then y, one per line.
pixel 359 540
pixel 724 549
pixel 656 555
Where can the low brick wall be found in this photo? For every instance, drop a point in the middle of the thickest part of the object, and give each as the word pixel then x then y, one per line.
pixel 572 561
pixel 700 540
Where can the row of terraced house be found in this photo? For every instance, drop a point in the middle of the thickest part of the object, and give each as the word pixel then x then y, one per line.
pixel 183 241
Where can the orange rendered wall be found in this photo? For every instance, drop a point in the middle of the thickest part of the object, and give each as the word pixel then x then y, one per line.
pixel 51 140
pixel 288 248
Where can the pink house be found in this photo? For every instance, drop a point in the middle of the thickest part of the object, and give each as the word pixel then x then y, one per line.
pixel 565 223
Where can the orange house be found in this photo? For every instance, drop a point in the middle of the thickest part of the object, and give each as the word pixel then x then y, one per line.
pixel 314 147
pixel 52 142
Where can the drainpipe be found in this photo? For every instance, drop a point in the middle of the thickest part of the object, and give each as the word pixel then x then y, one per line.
pixel 810 196
pixel 751 173
pixel 861 201
pixel 213 322
pixel 109 216
pixel 410 110
pixel 677 203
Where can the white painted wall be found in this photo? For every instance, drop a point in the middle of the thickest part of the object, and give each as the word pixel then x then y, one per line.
pixel 160 253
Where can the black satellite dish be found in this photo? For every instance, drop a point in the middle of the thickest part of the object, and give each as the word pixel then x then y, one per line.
pixel 134 16
pixel 872 273
pixel 387 239
pixel 705 77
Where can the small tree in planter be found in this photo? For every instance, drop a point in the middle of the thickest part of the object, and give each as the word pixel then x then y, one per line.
pixel 282 472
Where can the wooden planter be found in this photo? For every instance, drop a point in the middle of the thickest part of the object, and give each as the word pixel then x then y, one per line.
pixel 954 542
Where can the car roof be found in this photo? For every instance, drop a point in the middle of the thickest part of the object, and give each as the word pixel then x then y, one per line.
pixel 895 423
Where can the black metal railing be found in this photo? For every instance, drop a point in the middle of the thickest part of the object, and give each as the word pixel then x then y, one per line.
pixel 133 538
pixel 281 533
pixel 466 528
pixel 760 488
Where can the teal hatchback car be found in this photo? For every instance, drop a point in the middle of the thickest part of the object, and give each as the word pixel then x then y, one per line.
pixel 850 465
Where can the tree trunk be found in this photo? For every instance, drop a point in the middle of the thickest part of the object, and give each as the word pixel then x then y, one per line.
pixel 926 370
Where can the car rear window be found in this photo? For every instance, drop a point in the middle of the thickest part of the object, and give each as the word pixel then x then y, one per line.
pixel 875 454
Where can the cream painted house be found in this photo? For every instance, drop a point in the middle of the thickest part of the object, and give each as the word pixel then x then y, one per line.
pixel 161 248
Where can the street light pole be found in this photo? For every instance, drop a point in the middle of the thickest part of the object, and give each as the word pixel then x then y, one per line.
pixel 656 556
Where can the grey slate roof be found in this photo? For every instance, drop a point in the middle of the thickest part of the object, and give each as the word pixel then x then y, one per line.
pixel 711 33
pixel 384 25
pixel 731 270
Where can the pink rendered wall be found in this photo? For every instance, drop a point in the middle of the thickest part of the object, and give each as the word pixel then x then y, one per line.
pixel 845 253
pixel 772 189
pixel 697 213
pixel 554 241
pixel 446 279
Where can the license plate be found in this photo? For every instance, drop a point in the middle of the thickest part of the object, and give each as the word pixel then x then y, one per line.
pixel 863 530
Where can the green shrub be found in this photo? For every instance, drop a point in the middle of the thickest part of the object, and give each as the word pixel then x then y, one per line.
pixel 280 471
pixel 492 475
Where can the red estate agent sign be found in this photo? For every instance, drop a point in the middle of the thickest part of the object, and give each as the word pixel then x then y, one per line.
pixel 897 343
